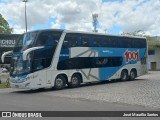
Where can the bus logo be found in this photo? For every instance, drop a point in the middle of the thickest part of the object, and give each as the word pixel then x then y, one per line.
pixel 131 55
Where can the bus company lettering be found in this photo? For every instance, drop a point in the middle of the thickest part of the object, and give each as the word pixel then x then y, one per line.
pixel 131 55
pixel 7 43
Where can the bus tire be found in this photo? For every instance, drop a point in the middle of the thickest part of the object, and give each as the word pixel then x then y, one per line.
pixel 133 75
pixel 60 82
pixel 124 75
pixel 75 81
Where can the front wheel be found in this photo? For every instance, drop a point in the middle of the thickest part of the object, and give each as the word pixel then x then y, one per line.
pixel 60 82
pixel 124 75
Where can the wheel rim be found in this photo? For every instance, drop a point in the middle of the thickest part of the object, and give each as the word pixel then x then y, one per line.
pixel 132 75
pixel 124 76
pixel 59 82
pixel 74 80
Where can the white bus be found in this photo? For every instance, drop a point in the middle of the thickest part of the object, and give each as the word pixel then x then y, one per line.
pixel 56 58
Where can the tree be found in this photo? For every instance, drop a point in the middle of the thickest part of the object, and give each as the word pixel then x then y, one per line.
pixel 139 33
pixel 4 26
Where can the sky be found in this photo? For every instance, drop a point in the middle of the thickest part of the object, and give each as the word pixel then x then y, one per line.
pixel 114 16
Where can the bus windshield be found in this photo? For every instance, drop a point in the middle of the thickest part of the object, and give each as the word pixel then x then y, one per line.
pixel 19 67
pixel 38 59
pixel 25 41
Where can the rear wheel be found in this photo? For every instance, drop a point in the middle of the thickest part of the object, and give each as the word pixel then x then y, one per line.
pixel 75 81
pixel 60 82
pixel 133 74
pixel 124 75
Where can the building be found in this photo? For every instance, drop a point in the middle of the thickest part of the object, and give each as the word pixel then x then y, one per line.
pixel 154 59
pixel 7 42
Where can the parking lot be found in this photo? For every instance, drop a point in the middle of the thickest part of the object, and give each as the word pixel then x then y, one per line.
pixel 140 94
pixel 144 91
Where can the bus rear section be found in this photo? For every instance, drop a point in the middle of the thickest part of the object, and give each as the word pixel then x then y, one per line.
pixel 97 57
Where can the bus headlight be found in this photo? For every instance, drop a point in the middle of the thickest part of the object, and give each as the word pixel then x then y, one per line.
pixel 18 80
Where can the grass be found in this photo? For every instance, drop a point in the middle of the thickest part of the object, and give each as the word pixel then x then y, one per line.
pixel 4 82
pixel 4 85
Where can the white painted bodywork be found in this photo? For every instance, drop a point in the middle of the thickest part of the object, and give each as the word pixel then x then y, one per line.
pixel 45 78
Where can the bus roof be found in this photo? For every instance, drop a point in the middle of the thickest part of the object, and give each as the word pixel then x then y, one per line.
pixel 93 33
pixel 83 32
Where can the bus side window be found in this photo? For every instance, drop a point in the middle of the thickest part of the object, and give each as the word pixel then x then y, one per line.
pixel 50 41
pixel 114 42
pixel 79 40
pixel 69 41
pixel 73 41
pixel 129 43
pixel 42 40
pixel 95 41
pixel 108 41
pixel 102 42
pixel 140 43
pixel 66 42
pixel 85 41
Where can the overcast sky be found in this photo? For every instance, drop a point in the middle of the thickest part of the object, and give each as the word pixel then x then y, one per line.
pixel 114 16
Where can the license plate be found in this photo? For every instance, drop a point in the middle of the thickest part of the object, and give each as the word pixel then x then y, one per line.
pixel 17 86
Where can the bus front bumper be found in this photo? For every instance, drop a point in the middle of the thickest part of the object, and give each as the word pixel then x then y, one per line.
pixel 20 83
pixel 24 85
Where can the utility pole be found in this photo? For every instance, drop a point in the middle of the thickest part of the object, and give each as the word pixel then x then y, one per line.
pixel 95 22
pixel 25 1
pixel 105 31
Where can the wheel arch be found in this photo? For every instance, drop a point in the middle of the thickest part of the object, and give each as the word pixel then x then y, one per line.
pixel 64 75
pixel 135 70
pixel 124 75
pixel 125 70
pixel 78 73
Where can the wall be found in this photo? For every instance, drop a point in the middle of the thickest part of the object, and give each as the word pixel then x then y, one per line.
pixel 154 58
pixel 7 42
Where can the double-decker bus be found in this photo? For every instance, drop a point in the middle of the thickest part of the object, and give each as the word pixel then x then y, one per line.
pixel 56 58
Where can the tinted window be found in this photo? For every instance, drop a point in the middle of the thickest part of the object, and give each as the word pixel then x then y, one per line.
pixel 88 40
pixel 140 43
pixel 72 40
pixel 90 62
pixel 125 42
pixel 48 39
pixel 42 58
pixel 151 52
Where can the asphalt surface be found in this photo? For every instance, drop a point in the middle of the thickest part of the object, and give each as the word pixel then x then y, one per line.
pixel 142 94
pixel 144 91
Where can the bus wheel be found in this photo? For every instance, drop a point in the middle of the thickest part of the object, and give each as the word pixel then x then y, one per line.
pixel 75 81
pixel 124 75
pixel 60 82
pixel 133 74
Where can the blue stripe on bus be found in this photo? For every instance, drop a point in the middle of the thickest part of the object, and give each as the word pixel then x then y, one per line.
pixel 106 73
pixel 64 54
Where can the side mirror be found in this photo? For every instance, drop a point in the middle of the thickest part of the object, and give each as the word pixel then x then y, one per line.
pixel 25 53
pixel 4 54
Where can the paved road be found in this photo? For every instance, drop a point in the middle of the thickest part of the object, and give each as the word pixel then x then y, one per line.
pixel 139 95
pixel 144 91
pixel 42 101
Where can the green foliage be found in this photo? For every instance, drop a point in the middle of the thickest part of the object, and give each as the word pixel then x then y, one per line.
pixel 4 85
pixel 153 43
pixel 138 33
pixel 4 26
